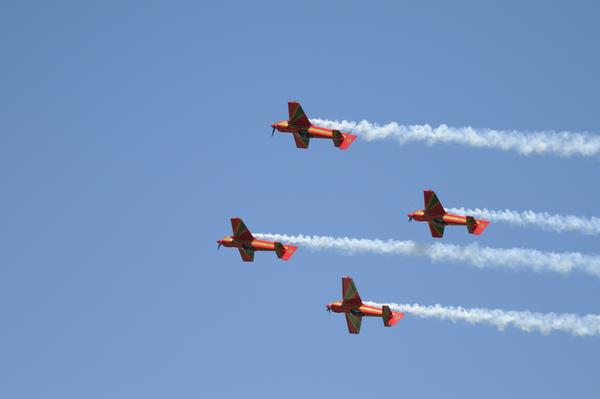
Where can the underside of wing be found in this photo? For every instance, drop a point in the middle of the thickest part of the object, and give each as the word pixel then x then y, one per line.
pixel 349 292
pixel 353 322
pixel 302 139
pixel 247 256
pixel 437 230
pixel 240 231
pixel 433 205
pixel 297 115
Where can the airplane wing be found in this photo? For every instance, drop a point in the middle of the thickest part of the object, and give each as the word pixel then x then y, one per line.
pixel 349 291
pixel 302 139
pixel 297 115
pixel 437 230
pixel 247 256
pixel 240 231
pixel 432 203
pixel 353 322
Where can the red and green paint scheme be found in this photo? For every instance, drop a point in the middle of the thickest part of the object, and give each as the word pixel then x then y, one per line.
pixel 303 130
pixel 245 242
pixel 437 217
pixel 354 309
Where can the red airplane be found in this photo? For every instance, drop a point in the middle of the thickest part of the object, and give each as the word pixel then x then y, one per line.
pixel 438 218
pixel 303 130
pixel 245 242
pixel 354 309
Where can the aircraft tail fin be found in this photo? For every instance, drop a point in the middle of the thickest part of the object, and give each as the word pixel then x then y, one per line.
pixel 390 318
pixel 476 226
pixel 432 203
pixel 284 252
pixel 342 140
pixel 349 291
pixel 297 115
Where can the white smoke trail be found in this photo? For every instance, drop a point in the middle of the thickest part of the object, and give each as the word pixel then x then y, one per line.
pixel 588 325
pixel 542 220
pixel 564 144
pixel 482 257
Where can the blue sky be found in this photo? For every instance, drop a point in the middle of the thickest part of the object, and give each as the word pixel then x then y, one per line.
pixel 132 131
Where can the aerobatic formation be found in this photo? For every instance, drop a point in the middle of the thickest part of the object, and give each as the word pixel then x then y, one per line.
pixel 437 218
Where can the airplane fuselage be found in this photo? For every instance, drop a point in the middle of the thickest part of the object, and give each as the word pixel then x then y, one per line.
pixel 355 309
pixel 313 131
pixel 254 245
pixel 445 219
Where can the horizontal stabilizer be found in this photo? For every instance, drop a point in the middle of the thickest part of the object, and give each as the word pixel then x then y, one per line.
pixel 476 226
pixel 284 252
pixel 338 137
pixel 390 318
pixel 348 139
pixel 342 140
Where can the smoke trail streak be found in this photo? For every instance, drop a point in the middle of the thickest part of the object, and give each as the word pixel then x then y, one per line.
pixel 588 325
pixel 542 220
pixel 482 257
pixel 564 144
